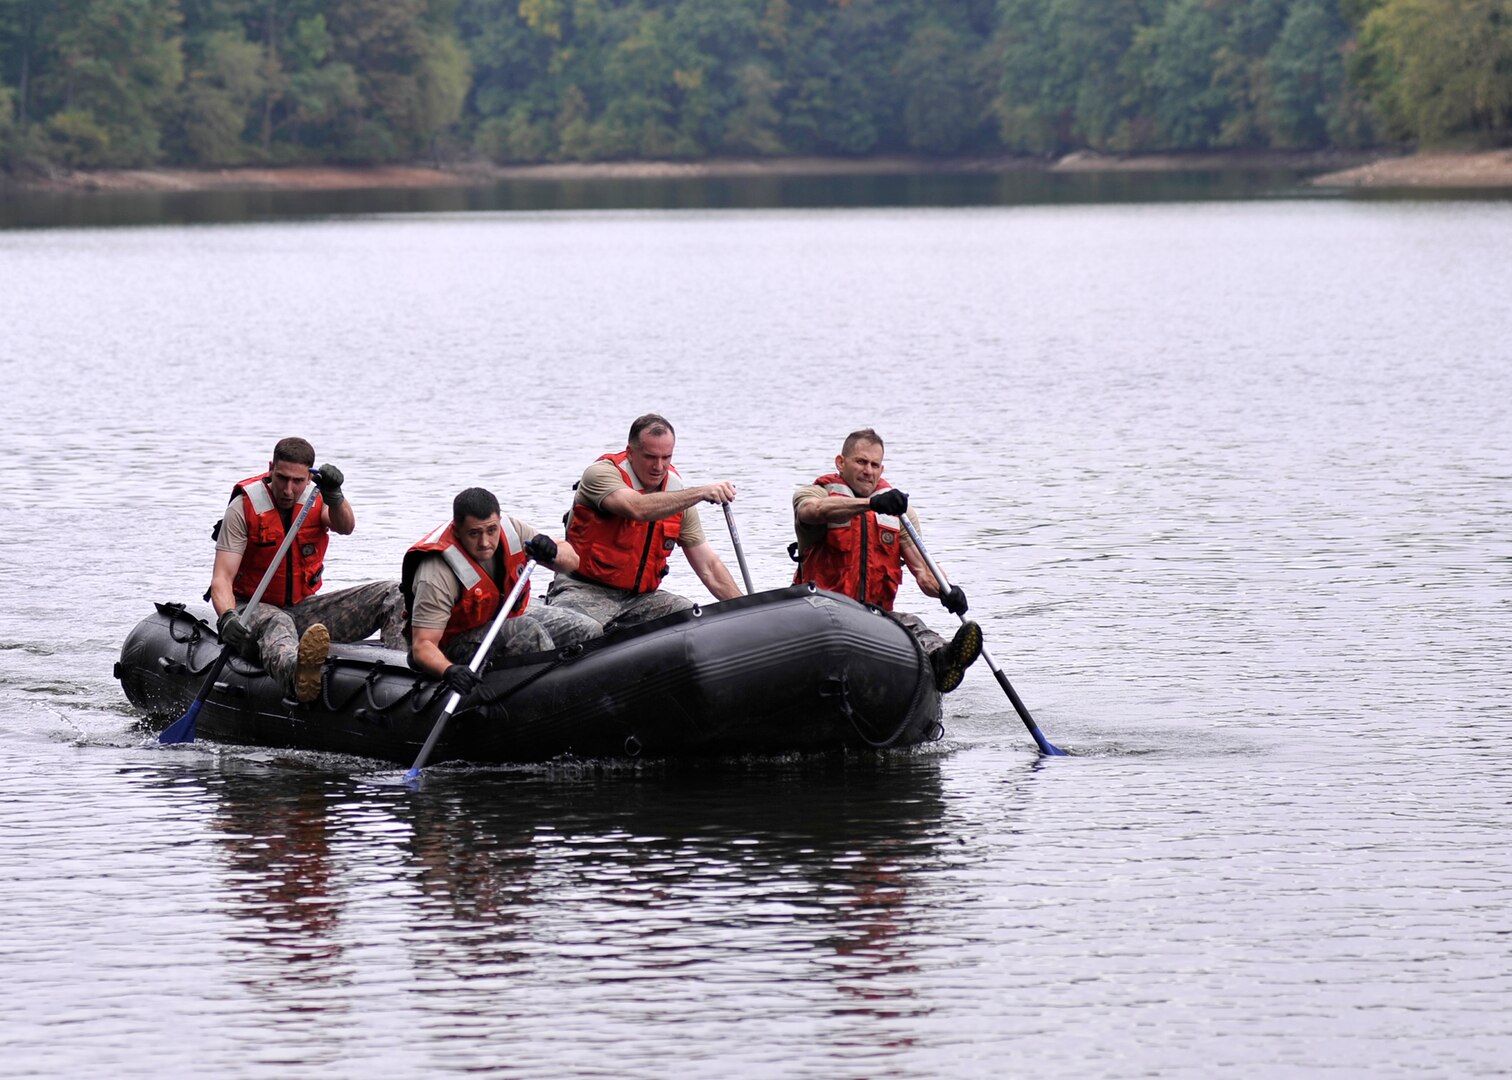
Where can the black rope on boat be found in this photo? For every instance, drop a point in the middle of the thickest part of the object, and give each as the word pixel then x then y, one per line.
pixel 857 720
pixel 487 707
pixel 175 612
pixel 200 634
pixel 365 689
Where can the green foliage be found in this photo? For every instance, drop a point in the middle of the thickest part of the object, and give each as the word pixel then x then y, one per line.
pixel 219 94
pixel 1193 98
pixel 1067 73
pixel 74 138
pixel 1310 102
pixel 125 82
pixel 107 76
pixel 411 76
pixel 1439 69
pixel 752 122
pixel 941 106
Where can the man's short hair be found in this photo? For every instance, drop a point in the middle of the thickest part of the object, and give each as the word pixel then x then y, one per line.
pixel 294 450
pixel 474 502
pixel 650 424
pixel 866 434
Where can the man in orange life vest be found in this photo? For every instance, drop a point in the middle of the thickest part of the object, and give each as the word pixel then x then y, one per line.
pixel 292 629
pixel 455 578
pixel 631 509
pixel 850 541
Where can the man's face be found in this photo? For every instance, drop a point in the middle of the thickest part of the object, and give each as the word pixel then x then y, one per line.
pixel 479 537
pixel 862 469
pixel 287 480
pixel 651 456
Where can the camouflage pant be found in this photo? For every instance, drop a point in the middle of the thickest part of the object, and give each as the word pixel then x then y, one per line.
pixel 540 629
pixel 612 608
pixel 928 640
pixel 349 614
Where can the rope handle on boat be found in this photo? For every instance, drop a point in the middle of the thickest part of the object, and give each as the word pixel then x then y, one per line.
pixel 856 719
pixel 372 707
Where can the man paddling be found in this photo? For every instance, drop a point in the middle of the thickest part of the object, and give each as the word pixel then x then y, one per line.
pixel 630 512
pixel 455 578
pixel 850 541
pixel 291 630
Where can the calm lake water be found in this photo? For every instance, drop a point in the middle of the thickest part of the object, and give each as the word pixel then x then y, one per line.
pixel 1228 482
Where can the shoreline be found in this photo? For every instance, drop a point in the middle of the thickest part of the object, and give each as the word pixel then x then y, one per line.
pixel 1465 170
pixel 1347 169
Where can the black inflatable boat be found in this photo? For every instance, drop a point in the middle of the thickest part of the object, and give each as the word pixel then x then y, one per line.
pixel 793 670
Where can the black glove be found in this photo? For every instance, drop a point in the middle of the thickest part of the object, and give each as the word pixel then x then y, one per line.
pixel 541 548
pixel 461 679
pixel 892 501
pixel 235 634
pixel 954 600
pixel 328 478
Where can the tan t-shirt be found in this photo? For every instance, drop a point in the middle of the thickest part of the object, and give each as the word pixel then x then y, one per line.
pixel 437 587
pixel 602 479
pixel 809 535
pixel 233 531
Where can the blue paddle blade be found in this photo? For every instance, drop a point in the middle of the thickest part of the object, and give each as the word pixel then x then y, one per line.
pixel 182 730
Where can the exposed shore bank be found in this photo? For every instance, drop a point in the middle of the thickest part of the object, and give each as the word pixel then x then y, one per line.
pixel 1334 168
pixel 1480 169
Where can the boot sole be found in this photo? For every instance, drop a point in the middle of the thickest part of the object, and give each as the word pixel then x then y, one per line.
pixel 314 647
pixel 966 646
pixel 960 654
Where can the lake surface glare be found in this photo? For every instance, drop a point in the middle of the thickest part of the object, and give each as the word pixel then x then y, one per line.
pixel 1229 485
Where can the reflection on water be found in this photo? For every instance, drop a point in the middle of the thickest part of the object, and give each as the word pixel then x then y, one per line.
pixel 96 209
pixel 652 887
pixel 275 840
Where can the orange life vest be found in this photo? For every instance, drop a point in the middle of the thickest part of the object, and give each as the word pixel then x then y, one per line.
pixel 862 557
pixel 481 595
pixel 299 574
pixel 616 551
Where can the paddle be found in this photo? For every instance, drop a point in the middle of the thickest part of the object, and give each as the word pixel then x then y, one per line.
pixel 476 665
pixel 1044 744
pixel 745 571
pixel 182 729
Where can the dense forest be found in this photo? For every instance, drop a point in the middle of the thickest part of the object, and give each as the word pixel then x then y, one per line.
pixel 217 82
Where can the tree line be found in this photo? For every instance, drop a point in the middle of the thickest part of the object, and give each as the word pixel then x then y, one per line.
pixel 221 82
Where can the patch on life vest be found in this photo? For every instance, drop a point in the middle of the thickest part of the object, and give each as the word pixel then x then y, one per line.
pixel 306 550
pixel 888 537
pixel 668 545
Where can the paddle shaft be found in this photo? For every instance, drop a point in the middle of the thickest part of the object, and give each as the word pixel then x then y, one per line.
pixel 182 729
pixel 1045 747
pixel 745 571
pixel 479 657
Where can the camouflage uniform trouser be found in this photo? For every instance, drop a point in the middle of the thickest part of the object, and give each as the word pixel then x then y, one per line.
pixel 349 614
pixel 928 640
pixel 609 607
pixel 540 629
